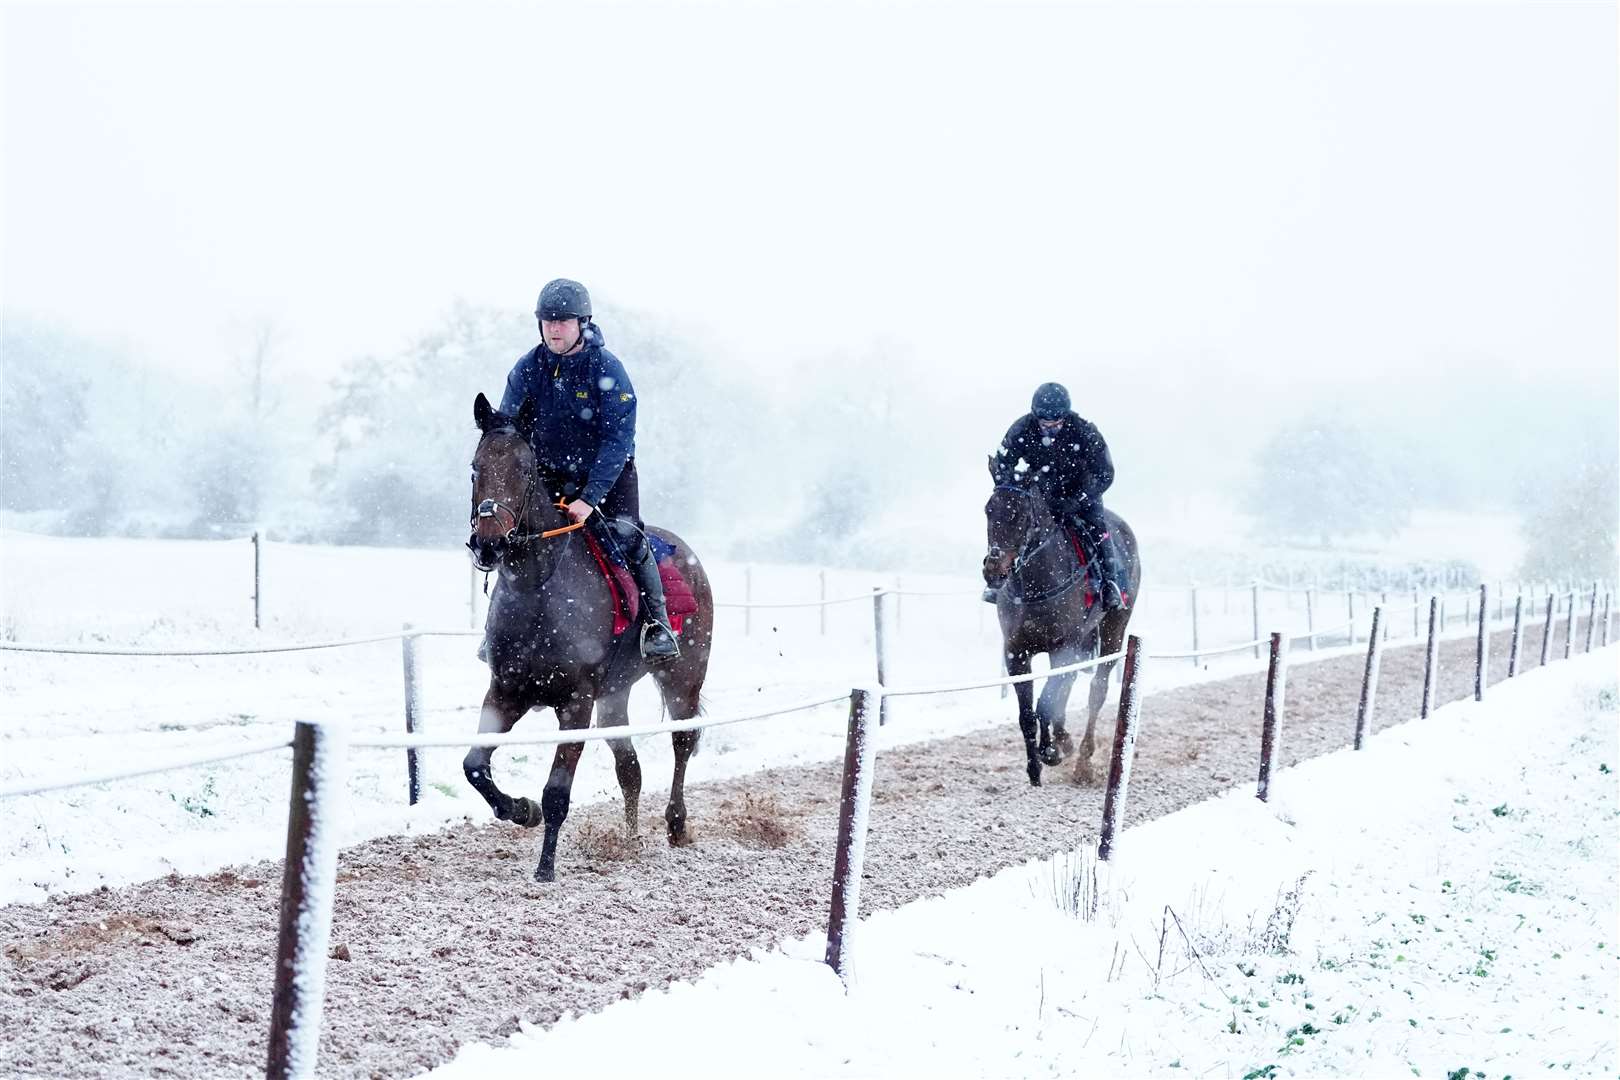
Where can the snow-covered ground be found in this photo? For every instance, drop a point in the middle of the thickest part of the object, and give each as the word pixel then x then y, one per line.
pixel 68 716
pixel 1442 904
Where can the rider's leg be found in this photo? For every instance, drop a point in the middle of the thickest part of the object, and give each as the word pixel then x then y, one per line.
pixel 1110 569
pixel 621 516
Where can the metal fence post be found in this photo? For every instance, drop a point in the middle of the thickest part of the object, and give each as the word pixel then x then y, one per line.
pixel 1482 647
pixel 855 800
pixel 258 579
pixel 1276 677
pixel 1591 619
pixel 309 877
pixel 1518 630
pixel 881 643
pixel 1119 765
pixel 1546 632
pixel 1254 593
pixel 1195 624
pixel 1569 628
pixel 413 768
pixel 1431 658
pixel 1369 680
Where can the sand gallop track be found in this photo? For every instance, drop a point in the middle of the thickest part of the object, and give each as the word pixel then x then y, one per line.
pixel 445 939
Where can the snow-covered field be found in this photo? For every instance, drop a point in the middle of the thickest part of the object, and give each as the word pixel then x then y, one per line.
pixel 72 716
pixel 1442 904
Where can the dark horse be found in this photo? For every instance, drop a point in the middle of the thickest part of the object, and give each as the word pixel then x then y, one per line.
pixel 1041 602
pixel 550 636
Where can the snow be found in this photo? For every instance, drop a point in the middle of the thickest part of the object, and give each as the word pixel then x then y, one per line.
pixel 323 794
pixel 1443 900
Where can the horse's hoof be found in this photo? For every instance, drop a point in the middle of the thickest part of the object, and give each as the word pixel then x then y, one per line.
pixel 526 812
pixel 1034 774
pixel 1051 755
pixel 544 873
pixel 1064 742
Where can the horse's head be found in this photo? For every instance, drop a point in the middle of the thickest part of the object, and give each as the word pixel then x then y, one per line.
pixel 504 481
pixel 1012 512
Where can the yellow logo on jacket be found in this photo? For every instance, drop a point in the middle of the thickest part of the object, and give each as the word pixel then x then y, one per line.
pixel 624 397
pixel 581 393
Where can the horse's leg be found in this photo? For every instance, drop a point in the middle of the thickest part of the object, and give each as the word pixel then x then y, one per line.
pixel 1018 664
pixel 614 711
pixel 574 716
pixel 680 690
pixel 1054 700
pixel 498 715
pixel 1111 636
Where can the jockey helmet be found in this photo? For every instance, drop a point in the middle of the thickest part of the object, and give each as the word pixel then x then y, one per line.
pixel 1051 402
pixel 563 299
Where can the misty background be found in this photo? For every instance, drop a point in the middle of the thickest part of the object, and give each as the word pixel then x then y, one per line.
pixel 1338 283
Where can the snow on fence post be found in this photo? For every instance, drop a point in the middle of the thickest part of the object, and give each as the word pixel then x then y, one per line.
pixel 1546 632
pixel 1518 630
pixel 413 767
pixel 1195 624
pixel 307 884
pixel 1119 765
pixel 1369 679
pixel 854 805
pixel 258 578
pixel 880 638
pixel 823 576
pixel 1569 628
pixel 1310 618
pixel 1276 677
pixel 1482 646
pixel 1254 594
pixel 1431 657
pixel 1591 620
pixel 748 598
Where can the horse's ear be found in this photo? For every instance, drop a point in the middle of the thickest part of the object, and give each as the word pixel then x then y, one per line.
pixel 482 411
pixel 525 415
pixel 990 461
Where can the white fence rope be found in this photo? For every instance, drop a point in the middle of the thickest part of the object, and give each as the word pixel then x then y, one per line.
pixel 951 688
pixel 32 788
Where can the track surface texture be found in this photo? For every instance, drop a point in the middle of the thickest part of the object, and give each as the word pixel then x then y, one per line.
pixel 445 939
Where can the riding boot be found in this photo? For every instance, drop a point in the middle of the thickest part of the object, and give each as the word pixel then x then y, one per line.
pixel 1110 573
pixel 658 644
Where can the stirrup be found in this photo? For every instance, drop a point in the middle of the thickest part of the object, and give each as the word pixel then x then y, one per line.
pixel 656 651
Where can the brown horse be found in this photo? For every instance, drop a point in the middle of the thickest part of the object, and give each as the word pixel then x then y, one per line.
pixel 1043 608
pixel 550 636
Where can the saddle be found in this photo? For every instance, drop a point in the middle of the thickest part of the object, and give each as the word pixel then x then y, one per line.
pixel 678 598
pixel 1078 543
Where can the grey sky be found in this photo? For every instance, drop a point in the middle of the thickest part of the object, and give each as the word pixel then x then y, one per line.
pixel 1320 192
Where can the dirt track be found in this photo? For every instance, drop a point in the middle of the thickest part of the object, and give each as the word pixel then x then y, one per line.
pixel 447 940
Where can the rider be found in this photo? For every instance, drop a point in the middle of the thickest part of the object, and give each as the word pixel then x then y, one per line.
pixel 1070 464
pixel 584 435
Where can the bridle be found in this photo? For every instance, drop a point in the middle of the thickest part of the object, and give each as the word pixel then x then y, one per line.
pixel 493 508
pixel 1030 548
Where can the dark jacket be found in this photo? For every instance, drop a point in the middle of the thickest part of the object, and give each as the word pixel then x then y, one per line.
pixel 585 413
pixel 1070 465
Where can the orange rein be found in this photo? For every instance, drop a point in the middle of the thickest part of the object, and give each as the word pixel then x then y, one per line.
pixel 549 533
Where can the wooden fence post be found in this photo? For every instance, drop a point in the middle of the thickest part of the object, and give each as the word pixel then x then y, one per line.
pixel 1546 632
pixel 1276 676
pixel 1518 630
pixel 1432 658
pixel 1369 680
pixel 1569 628
pixel 1591 619
pixel 854 804
pixel 413 768
pixel 309 877
pixel 1482 647
pixel 1119 765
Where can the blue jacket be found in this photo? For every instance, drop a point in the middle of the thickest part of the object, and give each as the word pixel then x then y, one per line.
pixel 585 413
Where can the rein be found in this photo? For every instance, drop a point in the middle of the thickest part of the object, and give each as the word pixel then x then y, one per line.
pixel 1028 552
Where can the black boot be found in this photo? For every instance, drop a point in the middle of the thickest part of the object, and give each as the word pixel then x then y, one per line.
pixel 1110 575
pixel 658 644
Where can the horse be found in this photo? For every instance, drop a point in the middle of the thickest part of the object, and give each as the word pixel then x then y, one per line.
pixel 550 636
pixel 1042 605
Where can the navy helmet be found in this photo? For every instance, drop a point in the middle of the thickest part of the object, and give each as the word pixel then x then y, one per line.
pixel 1051 402
pixel 563 299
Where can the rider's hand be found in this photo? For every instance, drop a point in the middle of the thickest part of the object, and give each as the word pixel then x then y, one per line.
pixel 579 510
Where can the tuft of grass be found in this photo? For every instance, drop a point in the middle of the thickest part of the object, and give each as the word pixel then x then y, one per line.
pixel 445 789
